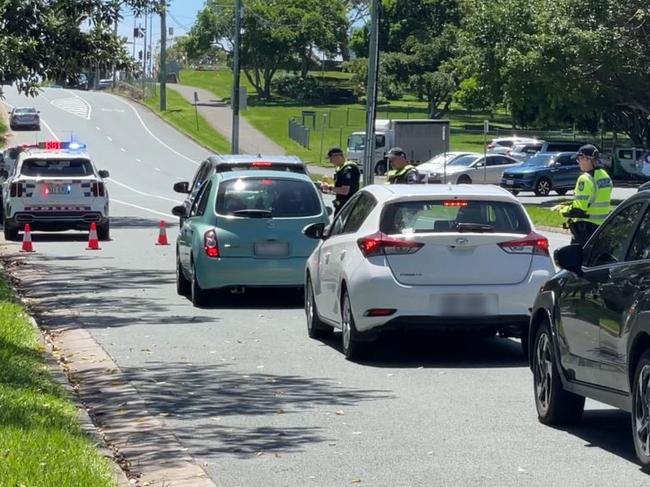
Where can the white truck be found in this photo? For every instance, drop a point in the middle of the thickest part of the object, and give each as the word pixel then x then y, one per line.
pixel 420 139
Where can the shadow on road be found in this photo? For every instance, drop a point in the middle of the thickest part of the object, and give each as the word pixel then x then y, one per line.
pixel 270 298
pixel 437 350
pixel 207 398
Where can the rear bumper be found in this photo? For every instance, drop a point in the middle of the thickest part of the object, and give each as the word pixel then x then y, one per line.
pixel 17 122
pixel 248 272
pixel 519 184
pixel 56 221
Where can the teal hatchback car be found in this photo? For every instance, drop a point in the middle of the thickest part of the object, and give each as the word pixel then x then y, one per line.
pixel 244 230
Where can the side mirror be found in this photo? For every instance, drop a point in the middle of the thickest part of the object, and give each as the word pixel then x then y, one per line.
pixel 479 164
pixel 182 187
pixel 179 211
pixel 104 174
pixel 569 258
pixel 315 231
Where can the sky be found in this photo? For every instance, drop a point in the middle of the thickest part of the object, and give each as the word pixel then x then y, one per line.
pixel 180 16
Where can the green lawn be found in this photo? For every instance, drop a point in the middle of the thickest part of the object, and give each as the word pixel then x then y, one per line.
pixel 180 113
pixel 544 216
pixel 41 443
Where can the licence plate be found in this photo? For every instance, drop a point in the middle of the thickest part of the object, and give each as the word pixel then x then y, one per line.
pixel 510 181
pixel 466 304
pixel 58 188
pixel 271 249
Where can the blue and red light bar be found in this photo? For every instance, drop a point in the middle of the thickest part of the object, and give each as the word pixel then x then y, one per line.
pixel 60 145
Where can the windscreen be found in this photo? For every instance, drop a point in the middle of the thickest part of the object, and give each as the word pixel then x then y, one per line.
pixel 440 216
pixel 57 168
pixel 267 197
pixel 356 142
pixel 25 110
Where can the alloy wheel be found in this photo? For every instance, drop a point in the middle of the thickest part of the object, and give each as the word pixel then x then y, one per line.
pixel 346 326
pixel 543 371
pixel 543 187
pixel 309 306
pixel 642 411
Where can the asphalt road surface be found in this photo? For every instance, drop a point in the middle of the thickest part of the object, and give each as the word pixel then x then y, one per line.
pixel 255 401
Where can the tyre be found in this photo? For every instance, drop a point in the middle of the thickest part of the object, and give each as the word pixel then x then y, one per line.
pixel 561 192
pixel 183 284
pixel 555 406
pixel 381 168
pixel 353 348
pixel 543 187
pixel 10 231
pixel 199 296
pixel 464 179
pixel 315 327
pixel 104 232
pixel 641 409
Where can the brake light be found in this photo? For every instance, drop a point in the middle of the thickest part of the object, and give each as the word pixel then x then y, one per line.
pixel 16 190
pixel 210 244
pixel 375 312
pixel 455 204
pixel 491 145
pixel 261 164
pixel 98 189
pixel 532 243
pixel 382 244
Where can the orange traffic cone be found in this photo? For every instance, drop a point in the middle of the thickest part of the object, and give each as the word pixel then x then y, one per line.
pixel 162 235
pixel 27 240
pixel 93 241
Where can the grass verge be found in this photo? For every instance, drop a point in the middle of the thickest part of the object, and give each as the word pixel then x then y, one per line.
pixel 41 442
pixel 180 113
pixel 544 216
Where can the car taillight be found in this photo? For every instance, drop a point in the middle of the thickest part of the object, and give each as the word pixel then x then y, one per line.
pixel 16 190
pixel 532 243
pixel 210 244
pixel 491 145
pixel 382 244
pixel 98 189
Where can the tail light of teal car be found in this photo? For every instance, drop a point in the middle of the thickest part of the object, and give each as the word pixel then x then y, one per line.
pixel 211 244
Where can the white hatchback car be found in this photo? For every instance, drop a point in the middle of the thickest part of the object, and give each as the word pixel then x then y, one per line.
pixel 436 257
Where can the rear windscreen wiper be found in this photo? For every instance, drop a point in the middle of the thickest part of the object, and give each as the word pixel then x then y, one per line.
pixel 253 213
pixel 474 227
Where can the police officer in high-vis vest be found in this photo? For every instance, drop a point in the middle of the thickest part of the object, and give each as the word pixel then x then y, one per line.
pixel 402 172
pixel 592 197
pixel 346 178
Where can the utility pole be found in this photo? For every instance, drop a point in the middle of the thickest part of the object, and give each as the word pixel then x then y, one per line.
pixel 144 58
pixel 117 12
pixel 163 56
pixel 150 60
pixel 135 19
pixel 235 79
pixel 371 96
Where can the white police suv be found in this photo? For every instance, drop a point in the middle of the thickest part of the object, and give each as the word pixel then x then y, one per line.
pixel 54 186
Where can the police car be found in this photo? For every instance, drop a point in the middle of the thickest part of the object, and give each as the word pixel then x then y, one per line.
pixel 54 186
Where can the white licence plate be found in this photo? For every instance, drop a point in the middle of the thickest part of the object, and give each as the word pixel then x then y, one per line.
pixel 510 181
pixel 58 188
pixel 466 304
pixel 271 249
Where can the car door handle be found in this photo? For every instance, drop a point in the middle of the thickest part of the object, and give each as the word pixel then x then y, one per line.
pixel 342 255
pixel 327 258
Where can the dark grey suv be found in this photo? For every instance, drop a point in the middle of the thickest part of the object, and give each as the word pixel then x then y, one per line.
pixel 590 325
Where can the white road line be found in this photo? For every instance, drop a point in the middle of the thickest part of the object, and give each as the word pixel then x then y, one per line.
pixel 49 129
pixel 110 139
pixel 142 208
pixel 122 149
pixel 97 128
pixel 138 160
pixel 126 186
pixel 157 169
pixel 152 134
pixel 90 108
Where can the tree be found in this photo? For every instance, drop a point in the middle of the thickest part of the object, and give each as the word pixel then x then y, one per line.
pixel 275 34
pixel 44 39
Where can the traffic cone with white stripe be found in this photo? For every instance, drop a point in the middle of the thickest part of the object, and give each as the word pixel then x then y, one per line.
pixel 27 240
pixel 162 234
pixel 93 241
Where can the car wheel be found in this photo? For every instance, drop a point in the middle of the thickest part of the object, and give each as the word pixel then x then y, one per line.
pixel 353 348
pixel 381 168
pixel 543 187
pixel 183 284
pixel 104 232
pixel 315 327
pixel 198 295
pixel 555 406
pixel 641 409
pixel 10 231
pixel 464 179
pixel 561 192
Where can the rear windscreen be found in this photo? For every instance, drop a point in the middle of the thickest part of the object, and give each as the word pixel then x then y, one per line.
pixel 56 167
pixel 298 168
pixel 260 197
pixel 454 216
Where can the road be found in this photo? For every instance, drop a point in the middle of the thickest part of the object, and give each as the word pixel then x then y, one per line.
pixel 239 384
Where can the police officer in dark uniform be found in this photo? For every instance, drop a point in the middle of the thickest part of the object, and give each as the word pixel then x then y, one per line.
pixel 346 178
pixel 402 172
